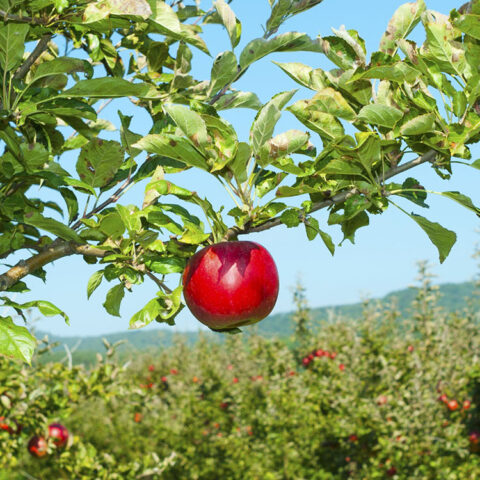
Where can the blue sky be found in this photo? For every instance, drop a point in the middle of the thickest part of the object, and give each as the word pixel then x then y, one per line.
pixel 385 253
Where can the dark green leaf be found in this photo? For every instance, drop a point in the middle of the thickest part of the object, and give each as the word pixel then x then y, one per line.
pixel 98 161
pixel 12 44
pixel 442 238
pixel 52 226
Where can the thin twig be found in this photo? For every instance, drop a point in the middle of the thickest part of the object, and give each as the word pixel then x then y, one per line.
pixel 112 199
pixel 338 198
pixel 18 18
pixel 160 284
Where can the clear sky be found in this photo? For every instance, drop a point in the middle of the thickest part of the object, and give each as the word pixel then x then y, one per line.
pixel 385 253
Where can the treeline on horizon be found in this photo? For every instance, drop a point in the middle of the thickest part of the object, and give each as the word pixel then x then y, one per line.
pixel 452 297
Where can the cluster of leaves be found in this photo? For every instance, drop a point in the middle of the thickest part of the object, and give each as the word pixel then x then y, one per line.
pixel 250 408
pixel 370 116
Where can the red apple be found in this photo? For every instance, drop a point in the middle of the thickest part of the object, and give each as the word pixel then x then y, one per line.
pixel 467 404
pixel 474 437
pixel 452 405
pixel 58 433
pixel 37 446
pixel 230 284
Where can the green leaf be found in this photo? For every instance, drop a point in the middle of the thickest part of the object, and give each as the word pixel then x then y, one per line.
pixel 45 308
pixel 349 227
pixel 312 229
pixel 266 119
pixel 383 115
pixel 462 200
pixel 291 217
pixel 267 181
pixel 12 44
pixel 330 101
pixel 102 9
pixel 223 144
pixel 15 341
pixel 418 125
pixel 469 24
pixel 224 71
pixel 398 72
pixel 281 146
pixel 286 42
pixel 190 123
pixel 174 147
pixel 339 52
pixel 128 138
pixel 109 87
pixel 326 125
pixel 99 161
pixel 146 315
pixel 442 238
pixel 238 100
pixel 402 23
pixel 114 299
pixel 305 75
pixel 165 20
pixel 71 202
pixel 239 164
pixel 230 21
pixel 413 191
pixel 442 48
pixel 94 281
pixel 52 226
pixel 61 65
pixel 131 218
pixel 166 265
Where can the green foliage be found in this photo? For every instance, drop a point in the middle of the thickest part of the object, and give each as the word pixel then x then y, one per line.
pixel 377 114
pixel 254 408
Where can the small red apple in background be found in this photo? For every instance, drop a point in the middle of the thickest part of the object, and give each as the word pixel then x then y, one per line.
pixel 392 471
pixel 474 437
pixel 58 433
pixel 467 404
pixel 37 446
pixel 443 398
pixel 382 400
pixel 5 426
pixel 452 405
pixel 231 284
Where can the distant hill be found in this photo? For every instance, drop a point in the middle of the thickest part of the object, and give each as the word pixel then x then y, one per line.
pixel 453 297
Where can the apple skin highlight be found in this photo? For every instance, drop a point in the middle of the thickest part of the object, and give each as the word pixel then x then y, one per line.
pixel 231 284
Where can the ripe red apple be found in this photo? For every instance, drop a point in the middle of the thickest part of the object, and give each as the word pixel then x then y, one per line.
pixel 467 404
pixel 452 405
pixel 474 437
pixel 58 433
pixel 230 284
pixel 37 446
pixel 443 398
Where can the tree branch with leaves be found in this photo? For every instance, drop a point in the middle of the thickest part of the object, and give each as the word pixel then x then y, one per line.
pixel 372 117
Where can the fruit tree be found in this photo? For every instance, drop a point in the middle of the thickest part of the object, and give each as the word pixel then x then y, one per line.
pixel 372 116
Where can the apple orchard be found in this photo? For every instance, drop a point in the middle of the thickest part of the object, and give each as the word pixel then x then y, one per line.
pixel 369 118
